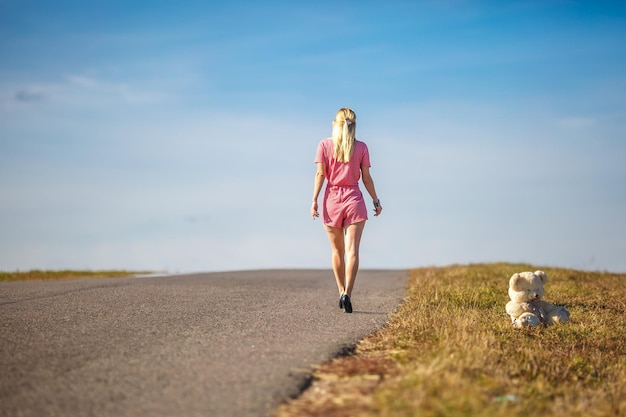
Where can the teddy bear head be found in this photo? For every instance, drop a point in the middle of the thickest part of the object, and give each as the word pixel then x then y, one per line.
pixel 525 287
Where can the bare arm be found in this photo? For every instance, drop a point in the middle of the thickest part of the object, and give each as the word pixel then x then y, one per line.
pixel 368 182
pixel 320 176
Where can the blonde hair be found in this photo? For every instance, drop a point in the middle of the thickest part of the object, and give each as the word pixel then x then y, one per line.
pixel 344 131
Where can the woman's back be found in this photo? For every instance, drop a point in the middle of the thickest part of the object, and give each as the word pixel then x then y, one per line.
pixel 345 174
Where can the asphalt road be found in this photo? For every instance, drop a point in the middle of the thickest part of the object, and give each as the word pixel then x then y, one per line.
pixel 215 344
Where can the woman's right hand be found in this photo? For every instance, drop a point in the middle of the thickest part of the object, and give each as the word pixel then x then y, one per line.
pixel 378 208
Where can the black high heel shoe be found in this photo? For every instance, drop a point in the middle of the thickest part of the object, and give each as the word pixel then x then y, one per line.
pixel 341 301
pixel 347 304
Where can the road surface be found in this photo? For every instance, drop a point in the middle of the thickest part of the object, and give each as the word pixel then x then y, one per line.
pixel 213 344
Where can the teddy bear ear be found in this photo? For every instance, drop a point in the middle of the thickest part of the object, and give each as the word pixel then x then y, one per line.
pixel 542 275
pixel 514 282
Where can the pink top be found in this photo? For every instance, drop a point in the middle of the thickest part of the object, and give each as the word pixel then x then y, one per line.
pixel 345 174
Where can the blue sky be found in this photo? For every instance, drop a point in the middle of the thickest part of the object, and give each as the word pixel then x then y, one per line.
pixel 180 136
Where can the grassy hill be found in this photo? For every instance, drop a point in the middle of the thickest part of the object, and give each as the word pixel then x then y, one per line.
pixel 40 275
pixel 450 350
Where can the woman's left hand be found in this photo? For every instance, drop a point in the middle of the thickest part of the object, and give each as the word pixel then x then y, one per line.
pixel 314 212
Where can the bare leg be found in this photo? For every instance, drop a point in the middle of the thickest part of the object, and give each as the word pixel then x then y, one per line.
pixel 353 235
pixel 335 235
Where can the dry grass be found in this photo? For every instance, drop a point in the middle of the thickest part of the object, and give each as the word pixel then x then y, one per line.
pixel 39 275
pixel 450 350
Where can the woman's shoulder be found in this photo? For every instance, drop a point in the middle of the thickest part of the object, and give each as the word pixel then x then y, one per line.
pixel 360 144
pixel 325 147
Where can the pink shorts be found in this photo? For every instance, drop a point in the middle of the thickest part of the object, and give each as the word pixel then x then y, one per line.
pixel 343 206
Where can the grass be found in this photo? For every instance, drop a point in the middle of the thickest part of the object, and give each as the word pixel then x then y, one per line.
pixel 450 350
pixel 41 275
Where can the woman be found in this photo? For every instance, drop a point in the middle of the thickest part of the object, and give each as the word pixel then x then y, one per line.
pixel 342 160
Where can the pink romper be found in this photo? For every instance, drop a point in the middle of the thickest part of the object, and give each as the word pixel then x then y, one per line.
pixel 343 200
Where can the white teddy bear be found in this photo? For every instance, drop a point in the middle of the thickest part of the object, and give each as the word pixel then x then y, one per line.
pixel 526 307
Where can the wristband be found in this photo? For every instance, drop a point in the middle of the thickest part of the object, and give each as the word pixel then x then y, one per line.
pixel 376 203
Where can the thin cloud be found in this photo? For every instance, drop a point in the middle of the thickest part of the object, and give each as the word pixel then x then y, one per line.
pixel 29 95
pixel 105 88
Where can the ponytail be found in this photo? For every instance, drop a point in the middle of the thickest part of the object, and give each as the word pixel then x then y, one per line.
pixel 344 134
